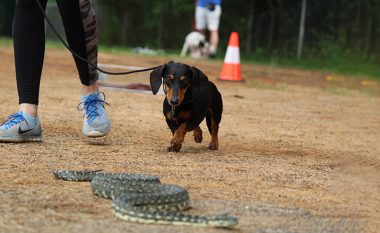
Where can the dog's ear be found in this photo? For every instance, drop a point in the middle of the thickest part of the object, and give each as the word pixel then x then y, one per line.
pixel 156 78
pixel 198 76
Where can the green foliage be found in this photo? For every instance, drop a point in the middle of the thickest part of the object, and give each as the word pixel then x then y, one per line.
pixel 6 16
pixel 331 57
pixel 340 35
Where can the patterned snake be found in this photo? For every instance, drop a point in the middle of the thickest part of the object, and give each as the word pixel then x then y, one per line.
pixel 142 198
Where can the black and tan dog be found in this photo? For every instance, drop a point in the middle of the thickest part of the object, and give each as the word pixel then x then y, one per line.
pixel 190 97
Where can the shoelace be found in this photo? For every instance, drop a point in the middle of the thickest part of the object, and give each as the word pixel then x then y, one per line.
pixel 13 120
pixel 90 106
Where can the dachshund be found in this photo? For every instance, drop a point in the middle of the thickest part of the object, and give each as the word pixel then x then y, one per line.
pixel 189 98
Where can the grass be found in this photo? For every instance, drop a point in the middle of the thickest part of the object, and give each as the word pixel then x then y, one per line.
pixel 5 41
pixel 350 65
pixel 345 64
pixel 353 67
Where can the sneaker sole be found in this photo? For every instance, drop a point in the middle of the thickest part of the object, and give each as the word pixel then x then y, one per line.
pixel 95 134
pixel 22 139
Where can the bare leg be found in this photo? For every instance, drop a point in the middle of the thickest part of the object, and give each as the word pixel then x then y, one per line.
pixel 203 31
pixel 214 40
pixel 29 109
pixel 85 90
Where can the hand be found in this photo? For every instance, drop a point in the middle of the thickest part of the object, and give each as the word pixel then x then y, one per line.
pixel 211 6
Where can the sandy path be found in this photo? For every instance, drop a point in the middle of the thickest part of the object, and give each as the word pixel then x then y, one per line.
pixel 294 156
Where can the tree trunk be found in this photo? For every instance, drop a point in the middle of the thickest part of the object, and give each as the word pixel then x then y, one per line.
pixel 271 25
pixel 356 30
pixel 302 29
pixel 368 34
pixel 160 30
pixel 124 24
pixel 248 42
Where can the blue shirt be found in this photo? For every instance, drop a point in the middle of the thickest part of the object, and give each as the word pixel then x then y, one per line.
pixel 204 3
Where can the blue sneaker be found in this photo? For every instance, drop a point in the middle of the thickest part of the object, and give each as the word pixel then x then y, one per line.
pixel 20 127
pixel 96 123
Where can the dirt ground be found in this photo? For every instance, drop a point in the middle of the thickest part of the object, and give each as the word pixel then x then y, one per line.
pixel 299 152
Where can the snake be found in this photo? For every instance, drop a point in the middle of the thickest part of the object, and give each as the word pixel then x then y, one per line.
pixel 143 198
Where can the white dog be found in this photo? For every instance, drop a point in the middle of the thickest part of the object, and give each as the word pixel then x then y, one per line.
pixel 197 44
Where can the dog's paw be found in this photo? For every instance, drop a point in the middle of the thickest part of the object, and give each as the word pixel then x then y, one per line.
pixel 174 147
pixel 198 138
pixel 213 146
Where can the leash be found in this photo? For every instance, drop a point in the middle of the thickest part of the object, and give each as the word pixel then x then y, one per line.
pixel 81 58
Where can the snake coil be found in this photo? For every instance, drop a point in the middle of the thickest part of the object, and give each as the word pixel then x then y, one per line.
pixel 142 198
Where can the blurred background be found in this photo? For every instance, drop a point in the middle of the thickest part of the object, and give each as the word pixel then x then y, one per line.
pixel 339 35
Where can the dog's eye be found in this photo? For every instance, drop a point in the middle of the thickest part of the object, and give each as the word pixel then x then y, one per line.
pixel 184 83
pixel 168 82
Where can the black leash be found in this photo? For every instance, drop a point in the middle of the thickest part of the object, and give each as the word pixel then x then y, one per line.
pixel 81 58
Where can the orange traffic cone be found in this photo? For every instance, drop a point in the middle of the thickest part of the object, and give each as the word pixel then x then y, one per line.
pixel 231 70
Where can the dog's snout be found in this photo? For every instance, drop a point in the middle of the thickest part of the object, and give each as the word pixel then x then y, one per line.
pixel 174 101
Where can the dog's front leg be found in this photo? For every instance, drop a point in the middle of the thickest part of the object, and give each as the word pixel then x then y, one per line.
pixel 179 136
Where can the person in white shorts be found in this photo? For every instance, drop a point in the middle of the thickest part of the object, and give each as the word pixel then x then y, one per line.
pixel 207 16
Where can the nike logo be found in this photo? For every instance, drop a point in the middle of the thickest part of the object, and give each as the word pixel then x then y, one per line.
pixel 20 131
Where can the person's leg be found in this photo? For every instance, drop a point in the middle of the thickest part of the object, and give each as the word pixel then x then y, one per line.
pixel 214 40
pixel 213 19
pixel 29 47
pixel 200 19
pixel 81 29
